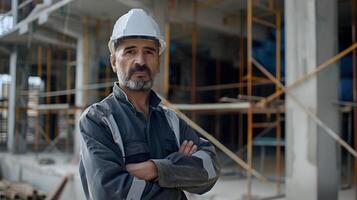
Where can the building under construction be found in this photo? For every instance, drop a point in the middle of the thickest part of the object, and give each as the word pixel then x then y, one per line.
pixel 271 83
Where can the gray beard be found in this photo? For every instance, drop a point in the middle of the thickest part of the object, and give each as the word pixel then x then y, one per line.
pixel 140 85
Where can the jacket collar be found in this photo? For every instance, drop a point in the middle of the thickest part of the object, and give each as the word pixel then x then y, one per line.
pixel 119 93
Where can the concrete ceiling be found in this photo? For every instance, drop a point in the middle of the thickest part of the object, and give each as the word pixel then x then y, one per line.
pixel 104 9
pixel 211 15
pixel 211 12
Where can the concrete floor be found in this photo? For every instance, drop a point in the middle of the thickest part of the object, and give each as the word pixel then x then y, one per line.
pixel 231 186
pixel 235 189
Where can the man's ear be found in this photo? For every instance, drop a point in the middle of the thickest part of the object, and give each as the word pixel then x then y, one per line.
pixel 112 62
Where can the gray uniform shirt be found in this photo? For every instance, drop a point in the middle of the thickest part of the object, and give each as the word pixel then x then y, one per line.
pixel 102 165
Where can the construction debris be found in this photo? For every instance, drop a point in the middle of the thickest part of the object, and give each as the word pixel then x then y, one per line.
pixel 18 190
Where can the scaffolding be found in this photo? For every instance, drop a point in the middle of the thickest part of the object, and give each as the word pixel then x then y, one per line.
pixel 271 9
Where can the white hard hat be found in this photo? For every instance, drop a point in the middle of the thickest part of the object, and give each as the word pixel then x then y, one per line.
pixel 136 23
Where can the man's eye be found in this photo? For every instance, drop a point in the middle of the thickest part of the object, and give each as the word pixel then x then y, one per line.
pixel 130 52
pixel 149 52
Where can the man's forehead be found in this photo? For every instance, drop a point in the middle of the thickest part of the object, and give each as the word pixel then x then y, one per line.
pixel 138 42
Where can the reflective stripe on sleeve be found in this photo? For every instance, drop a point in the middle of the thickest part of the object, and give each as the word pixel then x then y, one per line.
pixel 207 163
pixel 136 189
pixel 174 123
pixel 115 133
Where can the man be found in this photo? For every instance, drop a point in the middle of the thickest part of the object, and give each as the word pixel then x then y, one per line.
pixel 131 146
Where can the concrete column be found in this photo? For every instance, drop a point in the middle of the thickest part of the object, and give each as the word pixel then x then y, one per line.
pixel 311 155
pixel 11 143
pixel 14 6
pixel 16 142
pixel 328 151
pixel 79 97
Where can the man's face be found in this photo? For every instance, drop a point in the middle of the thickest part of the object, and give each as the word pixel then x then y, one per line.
pixel 136 62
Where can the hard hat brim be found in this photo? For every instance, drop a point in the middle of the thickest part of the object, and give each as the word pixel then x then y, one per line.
pixel 161 41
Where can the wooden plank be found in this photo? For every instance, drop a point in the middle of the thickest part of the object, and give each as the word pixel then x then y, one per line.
pixel 213 106
pixel 264 124
pixel 263 22
pixel 221 86
pixel 58 106
pixel 57 192
pixel 255 110
pixel 24 3
pixel 319 68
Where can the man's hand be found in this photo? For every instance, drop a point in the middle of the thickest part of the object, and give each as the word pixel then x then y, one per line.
pixel 145 170
pixel 188 148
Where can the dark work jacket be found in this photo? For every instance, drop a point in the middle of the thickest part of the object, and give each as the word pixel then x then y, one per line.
pixel 114 134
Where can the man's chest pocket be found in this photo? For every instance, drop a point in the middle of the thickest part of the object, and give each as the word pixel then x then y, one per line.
pixel 136 151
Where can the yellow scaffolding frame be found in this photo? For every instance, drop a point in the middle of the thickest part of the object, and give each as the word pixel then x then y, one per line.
pixel 271 9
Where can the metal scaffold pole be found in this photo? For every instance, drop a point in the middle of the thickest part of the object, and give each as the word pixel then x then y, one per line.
pixel 167 60
pixel 278 124
pixel 39 74
pixel 241 75
pixel 249 93
pixel 68 87
pixel 48 89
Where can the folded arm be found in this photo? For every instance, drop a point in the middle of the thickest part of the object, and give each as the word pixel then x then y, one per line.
pixel 196 173
pixel 148 171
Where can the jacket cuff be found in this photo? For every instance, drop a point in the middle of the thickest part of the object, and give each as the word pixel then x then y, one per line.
pixel 161 165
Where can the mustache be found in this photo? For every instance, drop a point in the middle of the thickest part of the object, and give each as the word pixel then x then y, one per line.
pixel 139 68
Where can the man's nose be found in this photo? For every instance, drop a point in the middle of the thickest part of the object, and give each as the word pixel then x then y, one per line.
pixel 140 58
